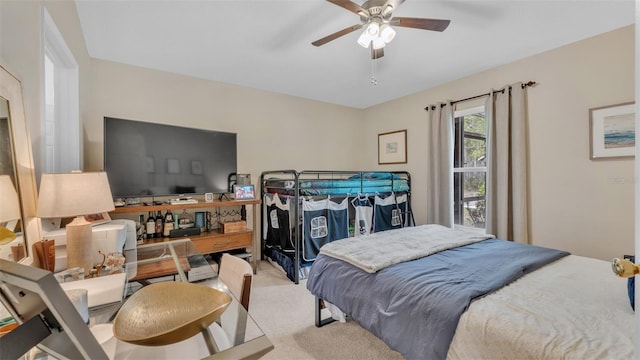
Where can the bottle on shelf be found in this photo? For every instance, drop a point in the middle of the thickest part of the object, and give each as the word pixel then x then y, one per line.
pixel 151 226
pixel 159 224
pixel 140 227
pixel 168 223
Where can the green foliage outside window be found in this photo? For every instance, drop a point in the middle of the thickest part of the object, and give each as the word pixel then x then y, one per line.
pixel 477 214
pixel 475 128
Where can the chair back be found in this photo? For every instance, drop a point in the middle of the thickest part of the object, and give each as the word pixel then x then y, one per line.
pixel 237 273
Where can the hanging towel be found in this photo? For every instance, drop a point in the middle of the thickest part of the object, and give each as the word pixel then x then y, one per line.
pixel 323 221
pixel 388 212
pixel 268 200
pixel 278 225
pixel 363 219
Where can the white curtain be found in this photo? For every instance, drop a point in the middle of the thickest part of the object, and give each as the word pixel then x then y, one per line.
pixel 507 164
pixel 440 165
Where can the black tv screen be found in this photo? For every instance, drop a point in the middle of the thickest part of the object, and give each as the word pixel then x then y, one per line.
pixel 146 159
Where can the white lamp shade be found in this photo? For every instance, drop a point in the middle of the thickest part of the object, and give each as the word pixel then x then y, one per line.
pixel 74 194
pixel 364 40
pixel 378 43
pixel 387 33
pixel 9 203
pixel 373 29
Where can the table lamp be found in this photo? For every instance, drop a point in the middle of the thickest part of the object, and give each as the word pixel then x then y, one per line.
pixel 76 194
pixel 9 209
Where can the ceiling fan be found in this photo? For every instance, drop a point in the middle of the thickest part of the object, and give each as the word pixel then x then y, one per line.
pixel 376 18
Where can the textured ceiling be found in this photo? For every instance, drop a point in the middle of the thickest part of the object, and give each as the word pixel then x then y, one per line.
pixel 267 44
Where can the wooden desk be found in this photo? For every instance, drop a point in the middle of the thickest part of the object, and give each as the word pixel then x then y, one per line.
pixel 212 241
pixel 163 267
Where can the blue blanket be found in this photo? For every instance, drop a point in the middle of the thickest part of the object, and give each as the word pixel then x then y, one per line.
pixel 339 186
pixel 415 306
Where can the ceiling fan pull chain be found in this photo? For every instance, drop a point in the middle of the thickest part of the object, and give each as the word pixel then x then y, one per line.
pixel 374 80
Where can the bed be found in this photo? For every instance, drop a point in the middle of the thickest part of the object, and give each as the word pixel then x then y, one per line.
pixel 463 295
pixel 364 182
pixel 303 210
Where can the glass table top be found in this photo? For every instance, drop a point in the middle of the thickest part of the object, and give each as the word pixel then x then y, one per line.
pixel 179 260
pixel 233 335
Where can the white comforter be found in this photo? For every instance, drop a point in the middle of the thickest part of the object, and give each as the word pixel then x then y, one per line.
pixel 534 318
pixel 377 251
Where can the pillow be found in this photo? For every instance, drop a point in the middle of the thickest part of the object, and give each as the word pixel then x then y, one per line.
pixel 631 286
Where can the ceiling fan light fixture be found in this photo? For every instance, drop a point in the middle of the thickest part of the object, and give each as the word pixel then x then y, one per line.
pixel 377 24
pixel 387 33
pixel 378 43
pixel 387 10
pixel 373 29
pixel 364 40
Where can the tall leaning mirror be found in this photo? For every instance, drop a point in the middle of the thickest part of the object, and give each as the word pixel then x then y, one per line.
pixel 19 226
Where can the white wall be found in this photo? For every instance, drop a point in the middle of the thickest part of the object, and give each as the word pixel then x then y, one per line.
pixel 274 131
pixel 576 204
pixel 21 53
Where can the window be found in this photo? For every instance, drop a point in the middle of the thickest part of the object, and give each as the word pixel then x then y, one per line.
pixel 61 136
pixel 470 167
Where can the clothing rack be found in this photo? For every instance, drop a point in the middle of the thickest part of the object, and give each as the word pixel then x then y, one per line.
pixel 524 85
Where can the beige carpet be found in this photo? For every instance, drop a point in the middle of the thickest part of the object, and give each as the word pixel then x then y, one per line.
pixel 285 312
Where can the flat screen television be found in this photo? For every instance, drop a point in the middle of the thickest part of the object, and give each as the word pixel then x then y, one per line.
pixel 146 159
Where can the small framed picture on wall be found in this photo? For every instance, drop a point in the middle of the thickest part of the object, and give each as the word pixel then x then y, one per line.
pixel 392 147
pixel 613 131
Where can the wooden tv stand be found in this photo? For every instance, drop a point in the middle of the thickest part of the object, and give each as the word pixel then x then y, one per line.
pixel 210 241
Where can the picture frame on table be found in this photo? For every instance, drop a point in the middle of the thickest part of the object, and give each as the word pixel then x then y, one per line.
pixel 392 147
pixel 96 219
pixel 244 192
pixel 200 220
pixel 612 131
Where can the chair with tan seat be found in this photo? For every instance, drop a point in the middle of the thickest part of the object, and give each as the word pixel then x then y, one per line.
pixel 237 274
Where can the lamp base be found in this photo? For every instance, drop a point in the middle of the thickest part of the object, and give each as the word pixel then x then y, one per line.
pixel 79 244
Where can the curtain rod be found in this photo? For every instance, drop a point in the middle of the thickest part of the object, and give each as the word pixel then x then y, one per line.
pixel 529 83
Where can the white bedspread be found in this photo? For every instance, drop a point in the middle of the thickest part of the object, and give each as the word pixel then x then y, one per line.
pixel 574 308
pixel 377 251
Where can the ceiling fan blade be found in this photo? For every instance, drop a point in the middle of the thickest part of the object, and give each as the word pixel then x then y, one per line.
pixel 351 6
pixel 377 53
pixel 419 23
pixel 336 35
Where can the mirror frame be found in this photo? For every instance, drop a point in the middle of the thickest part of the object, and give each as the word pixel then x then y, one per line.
pixel 11 90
